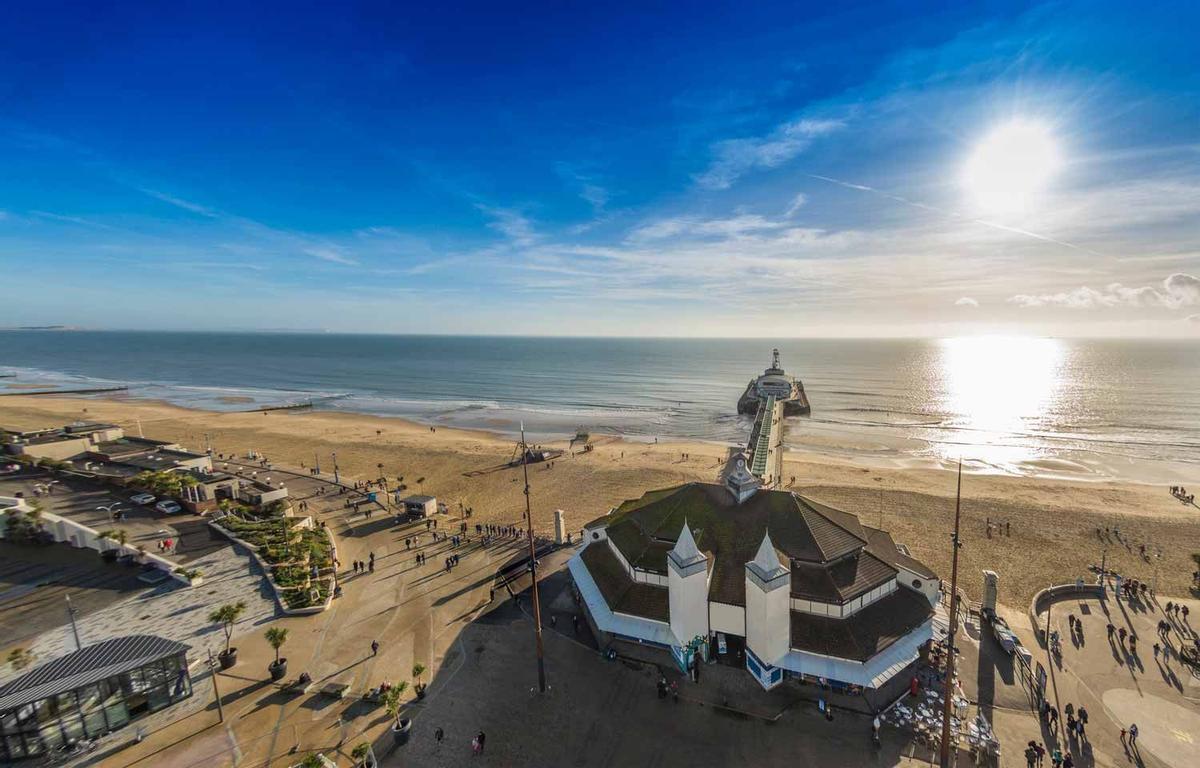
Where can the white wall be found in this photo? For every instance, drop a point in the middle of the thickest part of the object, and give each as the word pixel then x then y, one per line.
pixel 768 621
pixel 913 581
pixel 723 617
pixel 688 600
pixel 817 608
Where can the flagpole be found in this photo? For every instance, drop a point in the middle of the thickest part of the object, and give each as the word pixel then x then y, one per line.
pixel 537 606
pixel 949 697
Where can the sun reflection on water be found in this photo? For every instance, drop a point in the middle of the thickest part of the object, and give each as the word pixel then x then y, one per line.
pixel 998 387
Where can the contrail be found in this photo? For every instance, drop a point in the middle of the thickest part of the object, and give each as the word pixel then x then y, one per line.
pixel 953 214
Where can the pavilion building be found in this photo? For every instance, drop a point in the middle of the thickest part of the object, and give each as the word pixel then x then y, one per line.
pixel 787 586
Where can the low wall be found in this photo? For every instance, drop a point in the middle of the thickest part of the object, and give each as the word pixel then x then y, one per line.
pixel 266 568
pixel 1050 595
pixel 83 537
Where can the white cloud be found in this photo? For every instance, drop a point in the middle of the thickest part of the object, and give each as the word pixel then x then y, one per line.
pixel 331 254
pixel 1178 290
pixel 178 202
pixel 797 203
pixel 510 223
pixel 966 301
pixel 695 227
pixel 1193 318
pixel 733 158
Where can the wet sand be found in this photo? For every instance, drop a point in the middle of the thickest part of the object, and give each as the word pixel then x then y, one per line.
pixel 1053 522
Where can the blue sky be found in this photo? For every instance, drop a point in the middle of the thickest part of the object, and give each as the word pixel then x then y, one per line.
pixel 743 169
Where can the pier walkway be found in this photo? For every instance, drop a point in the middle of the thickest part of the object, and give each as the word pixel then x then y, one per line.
pixel 766 443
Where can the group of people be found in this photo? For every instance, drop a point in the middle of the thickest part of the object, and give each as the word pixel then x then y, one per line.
pixel 477 742
pixel 1179 492
pixel 369 566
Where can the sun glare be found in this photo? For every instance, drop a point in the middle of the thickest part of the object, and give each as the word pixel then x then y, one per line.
pixel 1011 166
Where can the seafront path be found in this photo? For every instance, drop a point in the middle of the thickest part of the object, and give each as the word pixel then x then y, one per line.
pixel 415 612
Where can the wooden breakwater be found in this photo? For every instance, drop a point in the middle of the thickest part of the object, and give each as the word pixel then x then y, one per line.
pixel 284 407
pixel 90 391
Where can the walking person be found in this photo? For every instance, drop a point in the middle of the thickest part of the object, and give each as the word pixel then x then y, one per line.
pixel 438 735
pixel 1133 734
pixel 374 647
pixel 482 738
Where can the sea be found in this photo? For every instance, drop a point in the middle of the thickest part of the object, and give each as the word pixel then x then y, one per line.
pixel 1079 408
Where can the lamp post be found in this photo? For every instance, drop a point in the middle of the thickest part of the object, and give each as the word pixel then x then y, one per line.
pixel 336 480
pixel 949 696
pixel 212 666
pixel 537 608
pixel 71 611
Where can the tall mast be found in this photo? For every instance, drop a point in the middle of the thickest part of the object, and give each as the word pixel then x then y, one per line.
pixel 775 358
pixel 949 696
pixel 537 605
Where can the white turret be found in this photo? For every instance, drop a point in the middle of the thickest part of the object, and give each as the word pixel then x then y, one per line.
pixel 687 585
pixel 738 478
pixel 768 619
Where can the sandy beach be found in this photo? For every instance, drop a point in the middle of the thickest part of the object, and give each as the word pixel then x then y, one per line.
pixel 1053 522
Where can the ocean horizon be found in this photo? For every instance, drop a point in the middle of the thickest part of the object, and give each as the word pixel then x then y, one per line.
pixel 1082 408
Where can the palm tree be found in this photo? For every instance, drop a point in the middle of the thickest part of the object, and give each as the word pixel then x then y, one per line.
pixel 20 658
pixel 276 637
pixel 418 670
pixel 391 700
pixel 227 615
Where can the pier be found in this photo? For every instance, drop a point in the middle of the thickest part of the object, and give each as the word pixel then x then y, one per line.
pixel 766 443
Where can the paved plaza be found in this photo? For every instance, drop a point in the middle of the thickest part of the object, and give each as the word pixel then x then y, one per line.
pixel 477 645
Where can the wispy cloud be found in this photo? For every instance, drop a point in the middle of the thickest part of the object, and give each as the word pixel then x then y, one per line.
pixel 511 223
pixel 797 203
pixel 331 254
pixel 733 158
pixel 966 301
pixel 696 227
pixel 178 202
pixel 1178 290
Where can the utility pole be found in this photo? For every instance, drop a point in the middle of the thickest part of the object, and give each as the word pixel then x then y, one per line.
pixel 537 607
pixel 74 627
pixel 336 479
pixel 949 696
pixel 212 666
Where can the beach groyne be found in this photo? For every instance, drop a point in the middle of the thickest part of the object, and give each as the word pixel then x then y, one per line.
pixel 87 391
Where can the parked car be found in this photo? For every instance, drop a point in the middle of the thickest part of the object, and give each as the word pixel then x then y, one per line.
pixel 168 507
pixel 142 498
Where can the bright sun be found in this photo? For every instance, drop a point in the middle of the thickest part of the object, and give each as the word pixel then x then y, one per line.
pixel 1011 165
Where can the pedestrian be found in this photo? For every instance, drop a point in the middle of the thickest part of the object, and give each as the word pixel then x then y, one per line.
pixel 438 735
pixel 475 745
pixel 1110 629
pixel 1133 644
pixel 1156 649
pixel 1030 755
pixel 374 647
pixel 482 738
pixel 1123 736
pixel 1170 606
pixel 1083 716
pixel 1121 634
pixel 372 565
pixel 1041 753
pixel 1185 612
pixel 1133 734
pixel 1068 761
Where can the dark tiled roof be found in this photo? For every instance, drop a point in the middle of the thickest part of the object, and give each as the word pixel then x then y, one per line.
pixel 881 544
pixel 622 593
pixel 86 666
pixel 644 530
pixel 865 633
pixel 836 533
pixel 842 581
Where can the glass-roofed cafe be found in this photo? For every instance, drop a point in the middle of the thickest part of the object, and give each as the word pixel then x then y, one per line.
pixel 89 693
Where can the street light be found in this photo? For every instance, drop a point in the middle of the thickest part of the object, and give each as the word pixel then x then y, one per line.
pixel 212 665
pixel 112 510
